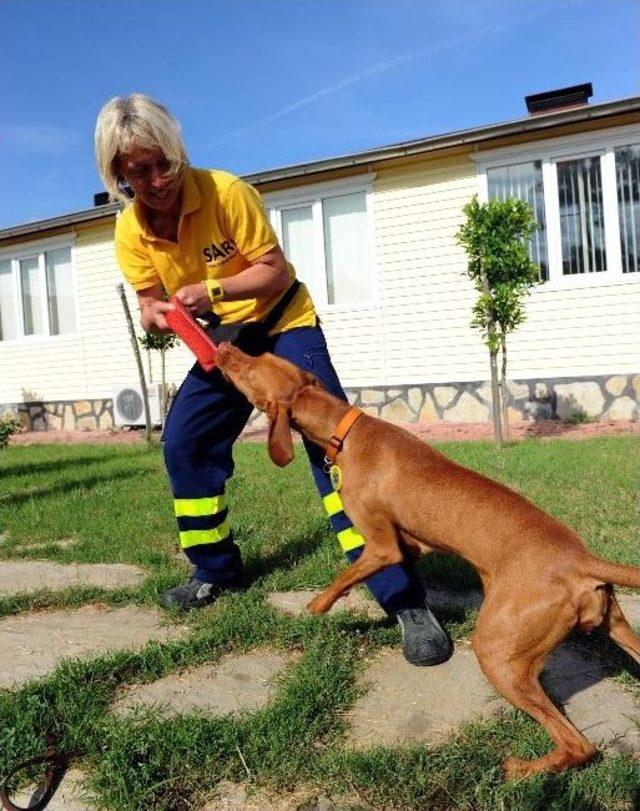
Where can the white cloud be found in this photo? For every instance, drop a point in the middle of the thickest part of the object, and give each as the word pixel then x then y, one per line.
pixel 382 67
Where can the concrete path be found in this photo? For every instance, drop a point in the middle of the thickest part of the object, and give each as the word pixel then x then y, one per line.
pixel 403 703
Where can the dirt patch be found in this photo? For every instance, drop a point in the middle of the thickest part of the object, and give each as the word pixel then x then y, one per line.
pixel 64 543
pixel 20 576
pixel 234 684
pixel 440 431
pixel 523 429
pixel 33 644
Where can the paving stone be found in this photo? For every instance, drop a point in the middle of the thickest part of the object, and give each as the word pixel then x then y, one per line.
pixel 19 576
pixel 69 795
pixel 236 683
pixel 599 707
pixel 237 797
pixel 407 704
pixel 33 644
pixel 630 605
pixel 295 602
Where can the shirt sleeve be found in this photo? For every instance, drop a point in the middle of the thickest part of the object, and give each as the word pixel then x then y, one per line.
pixel 133 259
pixel 247 221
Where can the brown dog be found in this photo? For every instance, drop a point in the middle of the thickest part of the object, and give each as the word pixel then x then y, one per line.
pixel 539 579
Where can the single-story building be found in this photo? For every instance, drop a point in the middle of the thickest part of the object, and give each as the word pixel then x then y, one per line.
pixel 373 235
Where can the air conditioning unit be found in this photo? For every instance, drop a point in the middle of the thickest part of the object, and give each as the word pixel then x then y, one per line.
pixel 128 404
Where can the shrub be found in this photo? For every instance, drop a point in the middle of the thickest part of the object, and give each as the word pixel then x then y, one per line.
pixel 9 424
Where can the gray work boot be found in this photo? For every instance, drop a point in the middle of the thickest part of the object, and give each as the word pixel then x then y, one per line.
pixel 424 641
pixel 194 594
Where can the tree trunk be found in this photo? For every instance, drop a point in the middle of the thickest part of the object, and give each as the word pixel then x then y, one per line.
pixel 136 352
pixel 495 398
pixel 505 388
pixel 163 387
pixel 493 364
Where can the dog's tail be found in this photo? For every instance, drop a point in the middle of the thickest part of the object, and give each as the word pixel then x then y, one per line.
pixel 618 574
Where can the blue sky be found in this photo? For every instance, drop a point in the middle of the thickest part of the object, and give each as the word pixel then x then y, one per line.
pixel 265 83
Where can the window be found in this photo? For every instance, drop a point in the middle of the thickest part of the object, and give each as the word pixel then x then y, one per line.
pixel 628 187
pixel 524 182
pixel 324 232
pixel 581 216
pixel 36 294
pixel 585 194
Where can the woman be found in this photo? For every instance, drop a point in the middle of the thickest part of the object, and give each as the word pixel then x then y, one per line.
pixel 204 236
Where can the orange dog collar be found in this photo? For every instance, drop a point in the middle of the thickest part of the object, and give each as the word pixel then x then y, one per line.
pixel 337 438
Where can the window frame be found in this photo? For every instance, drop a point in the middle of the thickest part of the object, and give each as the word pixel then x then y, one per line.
pixel 602 144
pixel 312 196
pixel 37 250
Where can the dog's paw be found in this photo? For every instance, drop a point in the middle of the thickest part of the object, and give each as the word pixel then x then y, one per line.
pixel 515 768
pixel 319 605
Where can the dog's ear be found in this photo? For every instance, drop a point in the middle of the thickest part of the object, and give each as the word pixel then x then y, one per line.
pixel 280 439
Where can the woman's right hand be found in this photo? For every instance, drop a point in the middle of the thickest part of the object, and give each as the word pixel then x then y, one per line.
pixel 152 310
pixel 152 316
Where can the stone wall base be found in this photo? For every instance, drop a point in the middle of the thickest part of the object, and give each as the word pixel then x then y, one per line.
pixel 598 398
pixel 67 415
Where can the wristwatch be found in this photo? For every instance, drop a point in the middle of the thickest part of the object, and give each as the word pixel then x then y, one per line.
pixel 214 289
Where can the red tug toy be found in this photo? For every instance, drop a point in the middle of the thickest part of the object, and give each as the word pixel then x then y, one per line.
pixel 187 328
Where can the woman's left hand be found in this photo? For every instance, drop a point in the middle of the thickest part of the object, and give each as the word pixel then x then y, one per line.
pixel 195 298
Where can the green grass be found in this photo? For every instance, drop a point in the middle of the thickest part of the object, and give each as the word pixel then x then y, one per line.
pixel 115 502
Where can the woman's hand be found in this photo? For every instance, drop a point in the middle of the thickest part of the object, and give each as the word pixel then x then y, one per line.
pixel 195 298
pixel 152 316
pixel 152 309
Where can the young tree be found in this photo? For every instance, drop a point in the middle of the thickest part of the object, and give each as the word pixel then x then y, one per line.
pixel 161 342
pixel 496 238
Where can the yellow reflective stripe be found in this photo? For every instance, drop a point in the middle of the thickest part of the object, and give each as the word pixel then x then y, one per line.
pixel 332 503
pixel 350 539
pixel 193 537
pixel 199 506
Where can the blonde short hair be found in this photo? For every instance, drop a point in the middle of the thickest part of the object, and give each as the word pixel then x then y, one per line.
pixel 135 121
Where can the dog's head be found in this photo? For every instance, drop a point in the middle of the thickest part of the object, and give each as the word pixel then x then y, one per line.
pixel 271 384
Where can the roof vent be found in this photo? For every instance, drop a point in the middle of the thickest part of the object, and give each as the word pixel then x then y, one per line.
pixel 102 197
pixel 563 99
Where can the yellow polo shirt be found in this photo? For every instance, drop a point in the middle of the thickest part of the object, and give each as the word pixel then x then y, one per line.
pixel 223 229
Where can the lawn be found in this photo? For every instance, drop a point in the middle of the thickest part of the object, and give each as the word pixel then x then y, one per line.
pixel 115 502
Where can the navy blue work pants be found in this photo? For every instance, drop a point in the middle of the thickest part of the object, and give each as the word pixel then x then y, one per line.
pixel 205 419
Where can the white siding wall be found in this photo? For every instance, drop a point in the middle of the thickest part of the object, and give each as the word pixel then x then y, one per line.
pixel 108 353
pixel 418 333
pixel 426 299
pixel 86 365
